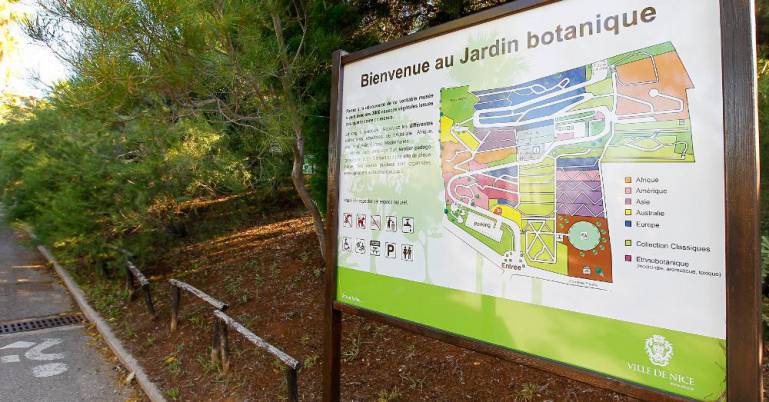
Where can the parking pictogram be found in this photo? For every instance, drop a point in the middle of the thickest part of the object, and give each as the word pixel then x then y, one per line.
pixel 391 250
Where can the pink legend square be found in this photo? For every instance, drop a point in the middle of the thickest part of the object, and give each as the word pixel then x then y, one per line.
pixel 628 190
pixel 628 258
pixel 628 201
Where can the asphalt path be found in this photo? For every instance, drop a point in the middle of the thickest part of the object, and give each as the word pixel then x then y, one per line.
pixel 58 364
pixel 27 288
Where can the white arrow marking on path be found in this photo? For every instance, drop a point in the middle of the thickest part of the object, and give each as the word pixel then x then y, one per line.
pixel 49 370
pixel 10 359
pixel 37 354
pixel 19 345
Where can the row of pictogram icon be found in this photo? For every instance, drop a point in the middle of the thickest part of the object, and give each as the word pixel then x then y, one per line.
pixel 375 248
pixel 374 222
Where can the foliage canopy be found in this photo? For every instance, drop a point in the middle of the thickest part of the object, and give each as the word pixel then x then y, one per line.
pixel 176 100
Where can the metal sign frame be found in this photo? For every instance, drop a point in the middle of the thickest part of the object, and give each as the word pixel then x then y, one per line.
pixel 743 272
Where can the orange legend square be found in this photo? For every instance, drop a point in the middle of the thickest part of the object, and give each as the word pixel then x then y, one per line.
pixel 628 179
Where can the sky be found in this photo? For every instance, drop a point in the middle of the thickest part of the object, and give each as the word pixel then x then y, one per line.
pixel 35 62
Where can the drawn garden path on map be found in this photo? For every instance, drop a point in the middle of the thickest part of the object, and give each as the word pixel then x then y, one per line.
pixel 522 164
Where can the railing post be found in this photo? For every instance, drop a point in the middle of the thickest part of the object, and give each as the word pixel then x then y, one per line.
pixel 129 282
pixel 148 300
pixel 215 343
pixel 292 387
pixel 220 352
pixel 224 346
pixel 176 297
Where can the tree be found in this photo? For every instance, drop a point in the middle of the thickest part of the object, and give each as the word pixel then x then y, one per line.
pixel 254 72
pixel 391 19
pixel 762 24
pixel 762 38
pixel 288 99
pixel 10 16
pixel 8 41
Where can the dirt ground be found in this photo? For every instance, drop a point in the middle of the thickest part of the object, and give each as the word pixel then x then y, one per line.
pixel 268 268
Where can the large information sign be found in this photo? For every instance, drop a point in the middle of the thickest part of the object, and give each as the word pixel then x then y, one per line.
pixel 551 182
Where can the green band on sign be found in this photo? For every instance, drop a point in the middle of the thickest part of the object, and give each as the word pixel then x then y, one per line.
pixel 685 364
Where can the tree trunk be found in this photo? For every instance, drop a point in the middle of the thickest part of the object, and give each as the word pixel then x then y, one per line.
pixel 297 177
pixel 297 174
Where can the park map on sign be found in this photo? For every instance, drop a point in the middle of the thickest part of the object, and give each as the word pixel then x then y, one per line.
pixel 522 165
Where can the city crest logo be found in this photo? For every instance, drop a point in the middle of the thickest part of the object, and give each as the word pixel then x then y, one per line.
pixel 659 349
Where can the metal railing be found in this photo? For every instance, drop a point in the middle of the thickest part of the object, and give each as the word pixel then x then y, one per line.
pixel 220 339
pixel 222 352
pixel 133 274
pixel 176 297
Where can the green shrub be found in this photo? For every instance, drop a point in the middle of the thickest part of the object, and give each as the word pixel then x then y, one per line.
pixel 90 186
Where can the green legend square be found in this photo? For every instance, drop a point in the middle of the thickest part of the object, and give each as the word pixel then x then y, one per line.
pixel 628 243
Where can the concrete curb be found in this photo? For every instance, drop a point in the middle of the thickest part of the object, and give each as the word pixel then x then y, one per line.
pixel 149 388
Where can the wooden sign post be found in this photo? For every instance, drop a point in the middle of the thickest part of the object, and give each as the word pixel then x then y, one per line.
pixel 570 185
